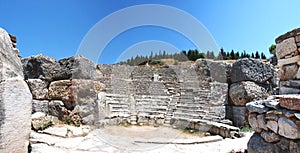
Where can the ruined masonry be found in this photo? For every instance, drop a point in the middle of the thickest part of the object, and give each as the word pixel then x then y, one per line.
pixel 207 95
pixel 15 99
pixel 276 121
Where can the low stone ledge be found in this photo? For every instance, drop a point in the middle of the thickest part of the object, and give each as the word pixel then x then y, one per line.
pixel 224 130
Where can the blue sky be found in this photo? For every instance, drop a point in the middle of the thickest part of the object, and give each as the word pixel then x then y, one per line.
pixel 57 27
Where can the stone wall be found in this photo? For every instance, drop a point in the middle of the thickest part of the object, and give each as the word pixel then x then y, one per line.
pixel 251 79
pixel 276 121
pixel 187 96
pixel 287 52
pixel 15 99
pixel 66 89
pixel 162 95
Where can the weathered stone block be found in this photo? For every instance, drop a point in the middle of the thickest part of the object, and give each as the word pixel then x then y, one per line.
pixel 11 66
pixel 38 88
pixel 288 72
pixel 40 106
pixel 290 102
pixel 71 91
pixel 15 100
pixel 252 70
pixel 39 67
pixel 81 93
pixel 61 90
pixel 270 136
pixel 288 128
pixel 290 83
pixel 15 112
pixel 240 116
pixel 218 94
pixel 272 125
pixel 75 67
pixel 297 38
pixel 287 90
pixel 257 144
pixel 261 120
pixel 286 47
pixel 55 108
pixel 244 92
pixel 272 103
pixel 257 107
pixel 219 70
pixel 254 122
pixel 287 61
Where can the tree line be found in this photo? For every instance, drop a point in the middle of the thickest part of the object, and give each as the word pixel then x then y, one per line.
pixel 192 55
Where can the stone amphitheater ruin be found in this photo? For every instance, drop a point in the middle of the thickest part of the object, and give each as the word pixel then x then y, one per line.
pixel 40 95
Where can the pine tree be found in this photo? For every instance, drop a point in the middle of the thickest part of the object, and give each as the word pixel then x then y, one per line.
pixel 257 56
pixel 232 54
pixel 263 56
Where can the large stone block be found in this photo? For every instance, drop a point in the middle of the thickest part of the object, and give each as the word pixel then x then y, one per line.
pixel 244 92
pixel 240 116
pixel 252 70
pixel 288 90
pixel 219 71
pixel 257 144
pixel 75 67
pixel 291 83
pixel 286 47
pixel 218 94
pixel 39 67
pixel 79 93
pixel 288 72
pixel 10 64
pixel 15 100
pixel 291 102
pixel 288 128
pixel 257 107
pixel 254 122
pixel 15 112
pixel 46 68
pixel 38 88
pixel 73 92
pixel 287 61
pixel 40 106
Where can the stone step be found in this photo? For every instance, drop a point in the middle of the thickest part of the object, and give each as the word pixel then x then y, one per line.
pixel 196 111
pixel 119 114
pixel 150 115
pixel 186 115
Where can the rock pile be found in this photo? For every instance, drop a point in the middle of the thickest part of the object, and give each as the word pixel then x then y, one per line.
pixel 276 121
pixel 251 79
pixel 15 100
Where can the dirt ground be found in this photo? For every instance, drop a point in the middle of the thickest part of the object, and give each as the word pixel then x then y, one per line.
pixel 150 132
